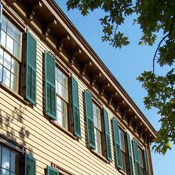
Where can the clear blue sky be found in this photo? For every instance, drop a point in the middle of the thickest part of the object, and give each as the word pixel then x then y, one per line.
pixel 125 64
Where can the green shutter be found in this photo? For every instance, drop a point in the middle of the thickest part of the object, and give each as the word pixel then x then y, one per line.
pixel 52 171
pixel 50 91
pixel 89 119
pixel 136 157
pixel 146 163
pixel 75 108
pixel 118 155
pixel 30 93
pixel 129 154
pixel 30 165
pixel 107 135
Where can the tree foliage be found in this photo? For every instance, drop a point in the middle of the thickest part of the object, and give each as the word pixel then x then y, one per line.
pixel 154 17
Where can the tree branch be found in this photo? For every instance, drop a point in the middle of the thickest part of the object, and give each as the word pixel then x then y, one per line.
pixel 169 33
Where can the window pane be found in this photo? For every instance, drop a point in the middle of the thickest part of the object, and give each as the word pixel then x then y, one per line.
pixel 17 35
pixel 65 94
pixel 5 159
pixel 1 69
pixel 98 141
pixel 124 161
pixel 1 56
pixel 4 23
pixel 59 75
pixel 0 154
pixel 17 51
pixel 65 81
pixel 6 77
pixel 13 162
pixel 3 38
pixel 10 29
pixel 99 123
pixel 15 67
pixel 58 103
pixel 65 123
pixel 5 172
pixel 64 108
pixel 59 117
pixel 7 60
pixel 14 82
pixel 95 121
pixel 9 44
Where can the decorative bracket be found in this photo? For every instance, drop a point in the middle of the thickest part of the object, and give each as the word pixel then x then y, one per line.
pixel 95 78
pixel 34 9
pixel 130 122
pixel 61 43
pixel 52 23
pixel 85 68
pixel 103 88
pixel 117 108
pixel 72 60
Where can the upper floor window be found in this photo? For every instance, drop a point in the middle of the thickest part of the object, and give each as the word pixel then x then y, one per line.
pixel 62 98
pixel 57 99
pixel 10 54
pixel 123 149
pixel 140 156
pixel 142 166
pixel 97 128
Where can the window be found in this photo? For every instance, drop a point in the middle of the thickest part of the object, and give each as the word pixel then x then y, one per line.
pixel 142 169
pixel 10 54
pixel 9 162
pixel 140 157
pixel 57 97
pixel 123 149
pixel 97 128
pixel 61 98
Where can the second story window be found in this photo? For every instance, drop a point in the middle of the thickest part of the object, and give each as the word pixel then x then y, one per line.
pixel 140 157
pixel 57 99
pixel 142 167
pixel 62 98
pixel 10 54
pixel 123 149
pixel 97 128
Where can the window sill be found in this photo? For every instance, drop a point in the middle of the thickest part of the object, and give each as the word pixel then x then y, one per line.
pixel 64 130
pixel 99 156
pixel 14 94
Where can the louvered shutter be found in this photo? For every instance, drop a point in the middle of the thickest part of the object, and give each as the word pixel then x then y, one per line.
pixel 30 165
pixel 118 154
pixel 107 135
pixel 50 91
pixel 75 108
pixel 89 119
pixel 31 69
pixel 52 171
pixel 129 154
pixel 136 157
pixel 146 163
